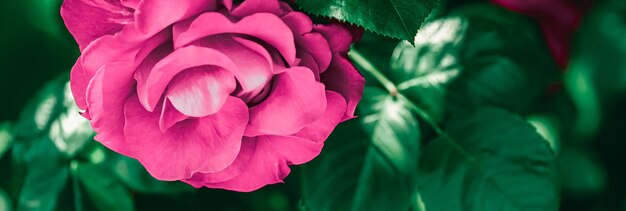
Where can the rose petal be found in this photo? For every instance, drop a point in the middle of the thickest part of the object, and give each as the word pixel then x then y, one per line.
pixel 207 144
pixel 228 4
pixel 343 78
pixel 106 95
pixel 155 56
pixel 264 26
pixel 558 42
pixel 88 20
pixel 311 42
pixel 130 3
pixel 296 100
pixel 317 46
pixel 239 165
pixel 270 162
pixel 319 130
pixel 557 19
pixel 109 49
pixel 254 98
pixel 249 7
pixel 78 85
pixel 259 49
pixel 561 13
pixel 153 16
pixel 151 88
pixel 299 22
pixel 307 60
pixel 339 38
pixel 254 64
pixel 200 91
pixel 169 116
pixel 179 28
pixel 285 6
pixel 266 158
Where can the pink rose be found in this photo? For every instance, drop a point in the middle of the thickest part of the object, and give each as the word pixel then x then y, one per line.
pixel 558 20
pixel 210 93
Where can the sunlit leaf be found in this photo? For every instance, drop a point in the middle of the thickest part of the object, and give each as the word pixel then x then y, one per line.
pixel 395 18
pixel 394 150
pixel 548 127
pixel 418 204
pixel 504 165
pixel 51 134
pixel 53 113
pixel 70 131
pixel 377 173
pixel 46 167
pixel 476 55
pixel 36 117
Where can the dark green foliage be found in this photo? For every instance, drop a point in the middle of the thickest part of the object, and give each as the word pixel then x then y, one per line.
pixel 478 55
pixel 54 144
pixel 394 18
pixel 455 116
pixel 467 59
pixel 382 169
pixel 503 165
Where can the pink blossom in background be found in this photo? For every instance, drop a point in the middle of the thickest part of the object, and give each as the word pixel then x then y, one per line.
pixel 209 92
pixel 558 20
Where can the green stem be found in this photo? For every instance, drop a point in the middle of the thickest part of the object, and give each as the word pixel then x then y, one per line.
pixel 368 67
pixel 442 134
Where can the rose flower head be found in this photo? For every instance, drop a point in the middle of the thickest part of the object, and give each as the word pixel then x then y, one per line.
pixel 558 20
pixel 211 92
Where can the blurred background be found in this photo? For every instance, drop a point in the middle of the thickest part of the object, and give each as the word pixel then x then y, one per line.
pixel 48 160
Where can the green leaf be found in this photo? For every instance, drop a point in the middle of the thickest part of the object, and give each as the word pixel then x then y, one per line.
pixel 377 49
pixel 49 134
pixel 36 117
pixel 53 113
pixel 478 55
pixel 581 172
pixel 103 189
pixel 595 77
pixel 360 173
pixel 46 136
pixel 44 14
pixel 5 201
pixel 70 131
pixel 548 126
pixel 6 137
pixel 132 174
pixel 395 18
pixel 504 164
pixel 330 180
pixel 46 173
